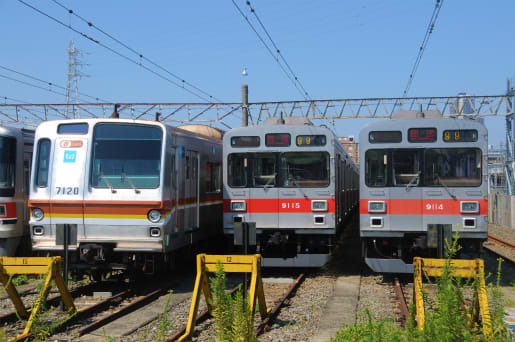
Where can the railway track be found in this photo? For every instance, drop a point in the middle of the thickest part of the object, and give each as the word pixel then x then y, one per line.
pixel 501 247
pixel 401 299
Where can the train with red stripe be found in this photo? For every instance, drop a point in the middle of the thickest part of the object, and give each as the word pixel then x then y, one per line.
pixel 131 193
pixel 15 158
pixel 423 180
pixel 295 181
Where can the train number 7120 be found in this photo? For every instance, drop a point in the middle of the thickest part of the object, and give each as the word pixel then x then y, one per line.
pixel 63 190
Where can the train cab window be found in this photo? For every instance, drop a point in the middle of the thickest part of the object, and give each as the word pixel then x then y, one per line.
pixel 237 170
pixel 305 169
pixel 73 128
pixel 406 167
pixel 42 163
pixel 126 156
pixel 447 167
pixel 7 165
pixel 263 170
pixel 376 168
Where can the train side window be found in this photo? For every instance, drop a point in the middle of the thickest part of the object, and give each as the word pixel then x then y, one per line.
pixel 187 167
pixel 406 167
pixel 213 177
pixel 376 168
pixel 237 170
pixel 42 163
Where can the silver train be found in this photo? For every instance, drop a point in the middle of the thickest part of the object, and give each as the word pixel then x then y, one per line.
pixel 131 192
pixel 296 182
pixel 423 178
pixel 15 158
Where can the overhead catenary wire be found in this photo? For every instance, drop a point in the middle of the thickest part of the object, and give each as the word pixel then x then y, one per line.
pixel 422 48
pixel 51 84
pixel 32 85
pixel 292 79
pixel 253 11
pixel 139 54
pixel 12 99
pixel 114 51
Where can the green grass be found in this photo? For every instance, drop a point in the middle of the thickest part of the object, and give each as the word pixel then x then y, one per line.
pixel 446 316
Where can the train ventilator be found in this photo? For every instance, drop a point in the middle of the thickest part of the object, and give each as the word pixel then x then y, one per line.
pixel 295 181
pixel 423 179
pixel 133 192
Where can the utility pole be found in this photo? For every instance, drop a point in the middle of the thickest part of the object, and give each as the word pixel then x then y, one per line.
pixel 72 87
pixel 244 101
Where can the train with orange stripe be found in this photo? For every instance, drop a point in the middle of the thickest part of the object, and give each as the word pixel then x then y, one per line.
pixel 132 193
pixel 15 158
pixel 423 183
pixel 296 182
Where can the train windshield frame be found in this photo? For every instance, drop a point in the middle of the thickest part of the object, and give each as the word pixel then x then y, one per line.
pixel 427 167
pixel 7 165
pixel 126 156
pixel 306 169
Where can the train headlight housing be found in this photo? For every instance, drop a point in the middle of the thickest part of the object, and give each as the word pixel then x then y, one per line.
pixel 470 207
pixel 376 206
pixel 319 205
pixel 37 214
pixel 154 215
pixel 238 206
pixel 38 230
pixel 155 232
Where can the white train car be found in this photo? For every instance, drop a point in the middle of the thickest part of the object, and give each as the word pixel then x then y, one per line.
pixel 133 192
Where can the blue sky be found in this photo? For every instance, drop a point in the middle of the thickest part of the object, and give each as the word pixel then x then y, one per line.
pixel 338 49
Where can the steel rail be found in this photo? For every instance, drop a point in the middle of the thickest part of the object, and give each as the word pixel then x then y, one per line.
pixel 502 242
pixel 52 301
pixel 275 311
pixel 123 311
pixel 200 318
pixel 402 300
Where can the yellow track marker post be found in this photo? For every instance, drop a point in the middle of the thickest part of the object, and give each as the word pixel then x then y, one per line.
pixel 459 268
pixel 232 264
pixel 51 267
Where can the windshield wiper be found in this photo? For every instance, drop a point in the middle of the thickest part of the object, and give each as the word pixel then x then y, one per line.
pixel 294 182
pixel 413 180
pixel 270 180
pixel 124 175
pixel 445 186
pixel 107 182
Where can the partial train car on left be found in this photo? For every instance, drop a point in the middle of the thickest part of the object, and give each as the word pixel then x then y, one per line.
pixel 15 158
pixel 133 193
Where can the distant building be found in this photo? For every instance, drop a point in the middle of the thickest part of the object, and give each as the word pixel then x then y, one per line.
pixel 351 146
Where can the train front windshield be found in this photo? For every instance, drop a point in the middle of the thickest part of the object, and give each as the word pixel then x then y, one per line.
pixel 433 167
pixel 126 156
pixel 288 169
pixel 7 165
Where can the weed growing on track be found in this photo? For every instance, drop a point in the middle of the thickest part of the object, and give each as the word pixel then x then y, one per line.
pixel 233 319
pixel 20 280
pixel 165 325
pixel 446 318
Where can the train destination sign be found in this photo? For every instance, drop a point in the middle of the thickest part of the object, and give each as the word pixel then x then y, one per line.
pixel 422 135
pixel 311 140
pixel 460 135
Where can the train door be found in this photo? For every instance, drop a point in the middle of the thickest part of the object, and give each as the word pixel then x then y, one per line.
pixel 68 180
pixel 405 193
pixel 191 207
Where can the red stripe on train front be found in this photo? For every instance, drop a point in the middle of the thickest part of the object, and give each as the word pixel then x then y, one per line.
pixel 278 205
pixel 10 210
pixel 423 206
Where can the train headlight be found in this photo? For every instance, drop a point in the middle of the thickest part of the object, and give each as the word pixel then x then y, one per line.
pixel 37 214
pixel 376 206
pixel 154 215
pixel 238 206
pixel 319 205
pixel 38 230
pixel 470 207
